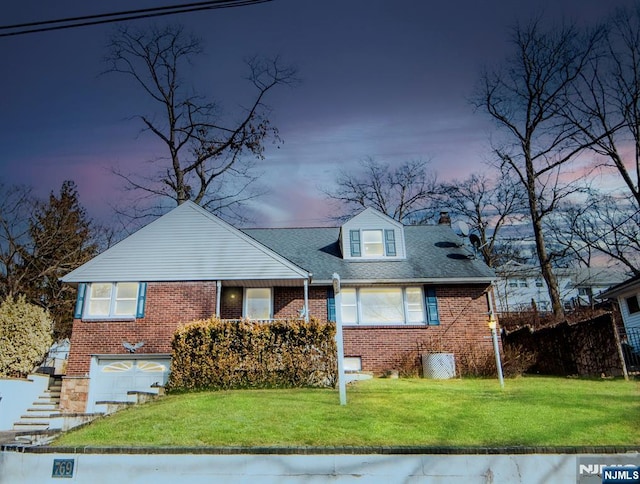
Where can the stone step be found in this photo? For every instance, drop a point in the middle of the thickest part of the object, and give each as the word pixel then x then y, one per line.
pixel 42 413
pixel 44 406
pixel 35 425
pixel 38 413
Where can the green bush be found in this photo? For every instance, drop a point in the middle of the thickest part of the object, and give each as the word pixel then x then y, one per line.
pixel 213 354
pixel 25 336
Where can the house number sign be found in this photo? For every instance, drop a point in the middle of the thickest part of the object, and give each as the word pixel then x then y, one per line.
pixel 63 468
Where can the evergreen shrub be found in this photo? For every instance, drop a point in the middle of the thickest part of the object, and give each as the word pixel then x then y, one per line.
pixel 25 336
pixel 215 355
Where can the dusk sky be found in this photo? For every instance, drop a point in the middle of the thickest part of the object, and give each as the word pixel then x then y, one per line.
pixel 383 79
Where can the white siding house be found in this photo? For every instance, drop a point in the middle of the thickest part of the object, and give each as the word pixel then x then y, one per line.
pixel 628 296
pixel 520 285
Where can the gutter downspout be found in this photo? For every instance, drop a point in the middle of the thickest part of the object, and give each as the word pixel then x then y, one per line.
pixel 306 300
pixel 218 297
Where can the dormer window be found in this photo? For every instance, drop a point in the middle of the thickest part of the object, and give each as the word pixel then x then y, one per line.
pixel 371 236
pixel 373 243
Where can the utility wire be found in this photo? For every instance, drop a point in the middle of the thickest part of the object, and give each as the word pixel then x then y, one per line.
pixel 83 21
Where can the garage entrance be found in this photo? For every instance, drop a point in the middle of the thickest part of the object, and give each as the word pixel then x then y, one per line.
pixel 113 376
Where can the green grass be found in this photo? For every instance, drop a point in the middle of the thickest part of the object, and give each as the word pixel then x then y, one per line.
pixel 532 411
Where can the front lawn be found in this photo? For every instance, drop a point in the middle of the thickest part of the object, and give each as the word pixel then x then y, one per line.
pixel 532 411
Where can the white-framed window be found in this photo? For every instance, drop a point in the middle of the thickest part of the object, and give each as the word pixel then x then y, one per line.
pixel 383 305
pixel 372 243
pixel 523 283
pixel 258 303
pixel 111 300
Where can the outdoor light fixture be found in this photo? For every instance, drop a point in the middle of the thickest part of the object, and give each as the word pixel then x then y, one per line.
pixel 492 323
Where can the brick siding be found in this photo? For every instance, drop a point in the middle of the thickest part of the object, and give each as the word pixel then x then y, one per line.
pixel 463 314
pixel 168 305
pixel 463 331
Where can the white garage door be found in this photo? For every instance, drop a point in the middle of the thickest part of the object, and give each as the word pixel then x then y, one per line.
pixel 112 379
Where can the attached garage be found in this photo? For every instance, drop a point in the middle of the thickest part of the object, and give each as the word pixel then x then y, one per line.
pixel 113 376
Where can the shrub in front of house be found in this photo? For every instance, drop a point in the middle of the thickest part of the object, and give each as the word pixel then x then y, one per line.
pixel 25 336
pixel 214 355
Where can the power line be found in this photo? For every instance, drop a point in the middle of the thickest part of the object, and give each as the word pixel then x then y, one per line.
pixel 97 19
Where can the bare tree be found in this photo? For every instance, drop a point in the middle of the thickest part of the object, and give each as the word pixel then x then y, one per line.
pixel 601 225
pixel 487 204
pixel 16 204
pixel 527 98
pixel 606 102
pixel 210 155
pixel 605 108
pixel 403 193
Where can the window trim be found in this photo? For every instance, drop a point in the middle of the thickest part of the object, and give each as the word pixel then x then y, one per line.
pixel 388 243
pixel 633 308
pixel 405 307
pixel 245 303
pixel 378 245
pixel 84 301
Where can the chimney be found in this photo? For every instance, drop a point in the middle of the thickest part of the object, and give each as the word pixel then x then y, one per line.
pixel 444 219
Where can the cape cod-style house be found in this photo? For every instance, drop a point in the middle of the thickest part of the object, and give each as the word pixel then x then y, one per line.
pixel 406 290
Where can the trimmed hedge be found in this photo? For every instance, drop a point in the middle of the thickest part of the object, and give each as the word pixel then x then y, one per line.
pixel 214 355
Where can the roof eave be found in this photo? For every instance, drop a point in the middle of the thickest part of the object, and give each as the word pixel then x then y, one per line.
pixel 429 280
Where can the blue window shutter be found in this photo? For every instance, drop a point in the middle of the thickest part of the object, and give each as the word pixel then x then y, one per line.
pixel 331 305
pixel 142 299
pixel 432 306
pixel 77 313
pixel 390 242
pixel 354 239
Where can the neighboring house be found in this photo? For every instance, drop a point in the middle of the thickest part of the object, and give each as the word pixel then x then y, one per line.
pixel 627 294
pixel 518 285
pixel 404 290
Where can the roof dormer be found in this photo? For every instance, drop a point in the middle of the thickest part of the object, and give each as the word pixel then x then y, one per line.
pixel 372 235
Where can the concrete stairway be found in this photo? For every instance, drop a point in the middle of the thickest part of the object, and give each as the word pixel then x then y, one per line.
pixel 41 412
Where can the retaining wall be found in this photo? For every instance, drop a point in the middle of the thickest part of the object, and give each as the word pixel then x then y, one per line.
pixel 230 466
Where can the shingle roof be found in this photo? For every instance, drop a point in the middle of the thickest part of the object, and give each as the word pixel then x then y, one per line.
pixel 434 255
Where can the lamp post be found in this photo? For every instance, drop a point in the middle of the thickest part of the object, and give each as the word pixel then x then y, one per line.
pixel 342 384
pixel 496 349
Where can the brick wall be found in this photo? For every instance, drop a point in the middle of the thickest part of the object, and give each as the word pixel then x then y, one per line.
pixel 463 327
pixel 287 302
pixel 463 331
pixel 168 305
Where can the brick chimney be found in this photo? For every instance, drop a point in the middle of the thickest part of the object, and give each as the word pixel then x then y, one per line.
pixel 444 219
